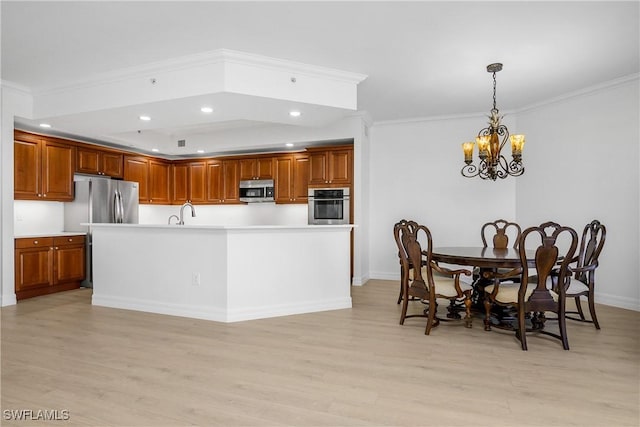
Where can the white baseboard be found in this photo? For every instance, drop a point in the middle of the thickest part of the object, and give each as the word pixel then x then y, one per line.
pixel 219 314
pixel 384 275
pixel 617 301
pixel 8 299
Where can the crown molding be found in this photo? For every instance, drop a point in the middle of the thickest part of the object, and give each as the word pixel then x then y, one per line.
pixel 570 95
pixel 15 86
pixel 201 59
pixel 582 92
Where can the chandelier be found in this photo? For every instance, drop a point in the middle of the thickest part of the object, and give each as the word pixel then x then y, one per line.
pixel 490 141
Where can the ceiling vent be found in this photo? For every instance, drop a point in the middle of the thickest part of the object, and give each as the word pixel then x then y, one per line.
pixel 182 143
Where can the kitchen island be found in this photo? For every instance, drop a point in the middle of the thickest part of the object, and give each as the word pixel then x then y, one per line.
pixel 222 273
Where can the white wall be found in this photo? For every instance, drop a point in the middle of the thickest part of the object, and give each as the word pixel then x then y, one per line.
pixel 37 217
pixel 415 174
pixel 13 102
pixel 582 164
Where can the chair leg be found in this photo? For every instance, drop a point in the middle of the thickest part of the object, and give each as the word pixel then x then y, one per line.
pixel 579 308
pixel 487 318
pixel 522 328
pixel 405 303
pixel 467 305
pixel 431 317
pixel 401 282
pixel 592 309
pixel 562 325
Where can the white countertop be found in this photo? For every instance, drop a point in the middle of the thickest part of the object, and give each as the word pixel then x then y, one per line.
pixel 225 227
pixel 58 234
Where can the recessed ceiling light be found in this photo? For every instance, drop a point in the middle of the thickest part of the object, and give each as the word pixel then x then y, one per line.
pixel 289 144
pixel 145 118
pixel 155 150
pixel 206 110
pixel 200 151
pixel 45 125
pixel 294 113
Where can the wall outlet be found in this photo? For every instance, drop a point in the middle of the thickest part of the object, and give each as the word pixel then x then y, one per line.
pixel 195 279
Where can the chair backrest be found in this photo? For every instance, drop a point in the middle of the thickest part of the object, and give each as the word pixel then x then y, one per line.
pixel 545 238
pixel 591 244
pixel 501 235
pixel 399 228
pixel 412 253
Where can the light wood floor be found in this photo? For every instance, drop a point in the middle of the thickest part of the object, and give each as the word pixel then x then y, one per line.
pixel 111 367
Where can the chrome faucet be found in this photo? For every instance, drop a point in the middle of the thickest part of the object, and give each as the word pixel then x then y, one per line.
pixel 173 216
pixel 193 212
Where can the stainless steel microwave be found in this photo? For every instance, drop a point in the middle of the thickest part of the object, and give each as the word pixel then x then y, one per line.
pixel 257 190
pixel 328 206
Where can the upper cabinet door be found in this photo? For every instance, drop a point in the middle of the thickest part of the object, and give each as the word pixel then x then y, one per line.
pixel 214 181
pixel 180 180
pixel 340 164
pixel 198 182
pixel 136 169
pixel 58 162
pixel 27 180
pixel 112 164
pixel 318 168
pixel 159 182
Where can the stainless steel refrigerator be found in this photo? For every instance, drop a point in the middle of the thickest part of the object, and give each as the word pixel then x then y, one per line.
pixel 100 200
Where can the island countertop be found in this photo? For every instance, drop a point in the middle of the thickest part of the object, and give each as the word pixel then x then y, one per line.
pixel 226 227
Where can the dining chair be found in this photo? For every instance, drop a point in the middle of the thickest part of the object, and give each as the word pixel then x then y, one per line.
pixel 411 226
pixel 583 281
pixel 423 284
pixel 500 231
pixel 531 298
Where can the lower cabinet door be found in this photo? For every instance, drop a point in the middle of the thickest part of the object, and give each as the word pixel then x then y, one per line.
pixel 33 268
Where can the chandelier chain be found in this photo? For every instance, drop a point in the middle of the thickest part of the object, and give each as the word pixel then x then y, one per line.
pixel 494 92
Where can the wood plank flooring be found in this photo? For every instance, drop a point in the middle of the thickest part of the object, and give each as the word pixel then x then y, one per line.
pixel 353 367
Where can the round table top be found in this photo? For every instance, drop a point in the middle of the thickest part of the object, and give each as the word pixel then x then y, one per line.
pixel 479 256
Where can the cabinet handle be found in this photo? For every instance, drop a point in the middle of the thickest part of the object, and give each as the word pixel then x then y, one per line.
pixel 56 248
pixel 35 242
pixel 39 195
pixel 51 248
pixel 71 240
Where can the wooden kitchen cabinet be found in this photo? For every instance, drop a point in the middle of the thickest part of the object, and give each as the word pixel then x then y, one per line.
pixel 159 182
pixel 44 265
pixel 99 162
pixel 189 182
pixel 331 167
pixel 214 188
pixel 291 178
pixel 153 177
pixel 230 181
pixel 256 168
pixel 43 168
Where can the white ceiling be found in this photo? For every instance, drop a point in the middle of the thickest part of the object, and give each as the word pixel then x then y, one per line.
pixel 422 59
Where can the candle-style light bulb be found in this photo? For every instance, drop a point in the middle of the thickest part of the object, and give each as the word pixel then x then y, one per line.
pixel 467 148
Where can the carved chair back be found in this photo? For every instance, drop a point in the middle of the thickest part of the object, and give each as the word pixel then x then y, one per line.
pixel 591 243
pixel 411 236
pixel 502 230
pixel 545 238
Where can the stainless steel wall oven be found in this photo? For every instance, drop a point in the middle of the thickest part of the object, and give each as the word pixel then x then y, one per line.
pixel 328 206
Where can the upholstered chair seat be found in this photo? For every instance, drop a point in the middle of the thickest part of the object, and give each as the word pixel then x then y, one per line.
pixel 508 291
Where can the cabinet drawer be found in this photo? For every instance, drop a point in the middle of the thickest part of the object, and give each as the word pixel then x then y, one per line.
pixel 35 242
pixel 68 240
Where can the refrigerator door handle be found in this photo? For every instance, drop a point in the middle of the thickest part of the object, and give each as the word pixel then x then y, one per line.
pixel 120 208
pixel 115 206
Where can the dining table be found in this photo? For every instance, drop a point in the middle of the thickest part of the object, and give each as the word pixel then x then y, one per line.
pixel 488 260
